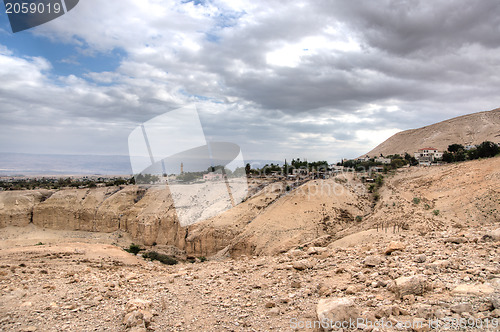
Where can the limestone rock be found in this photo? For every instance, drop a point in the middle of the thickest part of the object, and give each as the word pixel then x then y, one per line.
pixel 337 310
pixel 394 246
pixel 461 308
pixel 456 240
pixel 495 301
pixel 315 250
pixel 137 304
pixel 420 258
pixel 372 261
pixel 301 265
pixel 414 285
pixel 473 290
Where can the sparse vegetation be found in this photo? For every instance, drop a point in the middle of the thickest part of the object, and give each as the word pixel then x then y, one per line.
pixel 416 200
pixel 134 249
pixel 436 212
pixel 59 183
pixel 155 256
pixel 457 152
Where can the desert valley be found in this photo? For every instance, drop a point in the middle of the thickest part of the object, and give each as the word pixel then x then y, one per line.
pixel 421 253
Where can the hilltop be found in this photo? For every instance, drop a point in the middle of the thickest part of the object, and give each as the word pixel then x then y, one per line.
pixel 467 129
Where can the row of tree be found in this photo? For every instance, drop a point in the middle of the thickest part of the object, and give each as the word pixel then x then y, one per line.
pixel 397 161
pixel 457 152
pixel 287 168
pixel 58 183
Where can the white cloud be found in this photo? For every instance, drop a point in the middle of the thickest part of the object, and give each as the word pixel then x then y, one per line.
pixel 322 79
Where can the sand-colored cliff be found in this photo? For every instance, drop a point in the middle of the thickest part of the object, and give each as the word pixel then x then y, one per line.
pixel 273 219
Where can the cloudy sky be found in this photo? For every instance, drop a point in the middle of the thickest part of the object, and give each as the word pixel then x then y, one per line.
pixel 320 79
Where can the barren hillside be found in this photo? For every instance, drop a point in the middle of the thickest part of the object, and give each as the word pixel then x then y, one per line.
pixel 468 129
pixel 272 220
pixel 302 257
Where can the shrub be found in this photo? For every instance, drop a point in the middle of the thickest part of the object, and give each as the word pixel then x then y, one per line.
pixel 416 200
pixel 202 259
pixel 376 197
pixel 436 212
pixel 39 244
pixel 427 206
pixel 165 259
pixel 359 218
pixel 133 249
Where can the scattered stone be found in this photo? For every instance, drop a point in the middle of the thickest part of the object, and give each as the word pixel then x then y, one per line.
pixel 372 261
pixel 270 305
pixel 301 265
pixel 420 258
pixel 492 236
pixel 461 308
pixel 275 311
pixel 414 285
pixel 137 314
pixel 425 311
pixel 495 301
pixel 29 329
pixel 337 310
pixel 456 240
pixel 420 325
pixel 315 250
pixel 473 290
pixel 351 290
pixel 394 246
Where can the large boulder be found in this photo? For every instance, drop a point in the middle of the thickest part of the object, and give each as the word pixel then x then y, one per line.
pixel 473 290
pixel 373 261
pixel 413 285
pixel 337 312
pixel 394 246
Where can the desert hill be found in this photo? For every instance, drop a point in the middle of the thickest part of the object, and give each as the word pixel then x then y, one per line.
pixel 426 251
pixel 301 258
pixel 467 129
pixel 273 220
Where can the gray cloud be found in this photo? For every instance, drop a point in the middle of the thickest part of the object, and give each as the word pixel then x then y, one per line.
pixel 324 79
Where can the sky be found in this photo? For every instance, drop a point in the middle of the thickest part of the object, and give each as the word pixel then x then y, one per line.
pixel 321 80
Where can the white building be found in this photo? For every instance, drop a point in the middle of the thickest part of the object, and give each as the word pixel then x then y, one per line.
pixel 365 158
pixel 383 160
pixel 426 156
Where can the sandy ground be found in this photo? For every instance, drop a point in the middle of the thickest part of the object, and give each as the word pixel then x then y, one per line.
pixel 31 235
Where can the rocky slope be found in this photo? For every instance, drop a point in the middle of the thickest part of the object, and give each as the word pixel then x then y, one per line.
pixel 468 129
pixel 424 256
pixel 436 198
pixel 442 278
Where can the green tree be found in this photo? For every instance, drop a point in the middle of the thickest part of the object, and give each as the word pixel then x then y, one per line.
pixel 448 157
pixel 455 148
pixel 487 149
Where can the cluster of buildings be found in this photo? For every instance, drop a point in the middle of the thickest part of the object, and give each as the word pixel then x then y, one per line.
pixel 428 156
pixel 425 157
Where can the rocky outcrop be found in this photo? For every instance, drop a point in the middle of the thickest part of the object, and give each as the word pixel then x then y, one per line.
pixel 16 207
